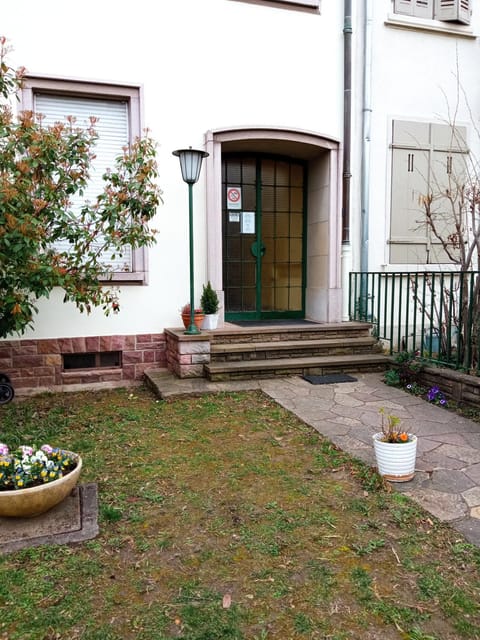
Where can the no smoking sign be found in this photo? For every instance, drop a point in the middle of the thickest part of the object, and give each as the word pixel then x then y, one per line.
pixel 234 198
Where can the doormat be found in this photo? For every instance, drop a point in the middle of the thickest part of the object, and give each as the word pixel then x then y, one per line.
pixel 332 378
pixel 73 520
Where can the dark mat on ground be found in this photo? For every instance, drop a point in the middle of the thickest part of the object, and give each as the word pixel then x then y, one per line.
pixel 73 520
pixel 273 323
pixel 331 378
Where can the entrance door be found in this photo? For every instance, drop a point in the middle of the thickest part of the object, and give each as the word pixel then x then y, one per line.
pixel 263 212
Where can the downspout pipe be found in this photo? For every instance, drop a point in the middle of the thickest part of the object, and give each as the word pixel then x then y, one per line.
pixel 346 255
pixel 347 119
pixel 366 135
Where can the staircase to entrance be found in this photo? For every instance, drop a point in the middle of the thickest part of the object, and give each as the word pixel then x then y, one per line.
pixel 239 353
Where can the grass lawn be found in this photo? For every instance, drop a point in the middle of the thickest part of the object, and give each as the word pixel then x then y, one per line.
pixel 225 518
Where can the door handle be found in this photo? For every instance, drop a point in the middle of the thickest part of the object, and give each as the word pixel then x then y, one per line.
pixel 257 248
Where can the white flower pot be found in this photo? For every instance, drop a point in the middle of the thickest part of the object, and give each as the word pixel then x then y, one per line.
pixel 210 321
pixel 395 460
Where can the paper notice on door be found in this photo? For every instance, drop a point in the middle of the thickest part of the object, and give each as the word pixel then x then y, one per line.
pixel 248 222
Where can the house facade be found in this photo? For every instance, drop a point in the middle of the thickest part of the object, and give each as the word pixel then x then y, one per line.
pixel 322 121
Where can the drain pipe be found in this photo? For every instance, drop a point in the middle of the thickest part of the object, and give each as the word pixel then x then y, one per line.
pixel 346 256
pixel 363 302
pixel 366 134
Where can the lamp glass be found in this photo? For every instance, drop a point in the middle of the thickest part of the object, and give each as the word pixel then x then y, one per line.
pixel 190 163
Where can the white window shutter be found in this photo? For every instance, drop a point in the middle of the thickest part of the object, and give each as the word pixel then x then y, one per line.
pixel 417 8
pixel 112 127
pixel 453 10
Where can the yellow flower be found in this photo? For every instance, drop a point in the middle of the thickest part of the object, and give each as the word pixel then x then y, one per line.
pixel 20 483
pixel 43 473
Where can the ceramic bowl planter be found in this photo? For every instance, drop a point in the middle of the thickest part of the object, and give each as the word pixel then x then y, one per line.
pixel 395 460
pixel 35 500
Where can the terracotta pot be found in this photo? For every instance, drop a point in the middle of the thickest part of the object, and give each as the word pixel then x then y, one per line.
pixel 33 501
pixel 197 318
pixel 396 460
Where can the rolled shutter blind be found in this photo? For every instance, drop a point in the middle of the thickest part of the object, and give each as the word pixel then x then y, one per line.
pixel 112 127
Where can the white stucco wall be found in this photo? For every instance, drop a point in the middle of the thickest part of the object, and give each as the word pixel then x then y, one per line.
pixel 203 65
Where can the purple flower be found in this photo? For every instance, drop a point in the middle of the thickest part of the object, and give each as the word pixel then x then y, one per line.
pixel 3 449
pixel 27 451
pixel 46 448
pixel 443 401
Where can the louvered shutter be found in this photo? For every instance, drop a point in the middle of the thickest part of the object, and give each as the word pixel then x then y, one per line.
pixel 453 10
pixel 112 127
pixel 417 8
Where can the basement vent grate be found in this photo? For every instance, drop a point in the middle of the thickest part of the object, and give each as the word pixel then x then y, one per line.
pixel 100 360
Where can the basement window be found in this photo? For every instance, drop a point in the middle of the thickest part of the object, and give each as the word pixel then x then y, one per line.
pixel 101 360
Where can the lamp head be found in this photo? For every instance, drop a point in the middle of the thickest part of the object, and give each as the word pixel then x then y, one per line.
pixel 190 163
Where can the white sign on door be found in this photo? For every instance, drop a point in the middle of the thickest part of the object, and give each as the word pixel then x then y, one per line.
pixel 248 222
pixel 234 197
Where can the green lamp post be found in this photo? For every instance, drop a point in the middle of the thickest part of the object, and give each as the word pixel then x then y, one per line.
pixel 191 164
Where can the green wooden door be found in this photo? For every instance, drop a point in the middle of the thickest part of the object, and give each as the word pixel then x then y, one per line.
pixel 263 209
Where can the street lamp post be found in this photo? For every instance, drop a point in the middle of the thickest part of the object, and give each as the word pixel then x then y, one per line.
pixel 191 164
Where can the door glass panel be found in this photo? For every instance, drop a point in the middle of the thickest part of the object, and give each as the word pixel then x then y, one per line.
pixel 295 301
pixel 296 225
pixel 282 200
pixel 268 199
pixel 296 250
pixel 296 199
pixel 282 174
pixel 268 172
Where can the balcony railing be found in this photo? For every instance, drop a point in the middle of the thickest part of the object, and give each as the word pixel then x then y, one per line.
pixel 434 314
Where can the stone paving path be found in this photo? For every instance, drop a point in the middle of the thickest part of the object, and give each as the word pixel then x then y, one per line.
pixel 447 478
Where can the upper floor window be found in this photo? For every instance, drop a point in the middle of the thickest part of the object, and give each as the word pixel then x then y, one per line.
pixel 116 110
pixel 444 10
pixel 428 160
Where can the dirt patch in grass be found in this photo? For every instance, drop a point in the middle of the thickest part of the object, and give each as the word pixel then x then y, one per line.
pixel 225 517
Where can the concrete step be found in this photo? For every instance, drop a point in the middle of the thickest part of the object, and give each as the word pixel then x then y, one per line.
pixel 254 369
pixel 279 333
pixel 233 352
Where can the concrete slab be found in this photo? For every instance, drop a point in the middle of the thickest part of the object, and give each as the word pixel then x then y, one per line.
pixel 73 520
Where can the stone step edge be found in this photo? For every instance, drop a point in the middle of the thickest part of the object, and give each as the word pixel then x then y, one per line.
pixel 285 345
pixel 293 363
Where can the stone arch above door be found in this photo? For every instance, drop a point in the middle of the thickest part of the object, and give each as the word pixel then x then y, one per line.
pixel 323 300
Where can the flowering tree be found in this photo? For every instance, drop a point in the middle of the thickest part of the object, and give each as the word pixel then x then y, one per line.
pixel 42 168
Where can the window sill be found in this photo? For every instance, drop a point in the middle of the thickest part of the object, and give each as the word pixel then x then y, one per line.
pixel 433 26
pixel 137 278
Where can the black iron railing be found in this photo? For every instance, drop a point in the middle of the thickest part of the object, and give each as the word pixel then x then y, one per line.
pixel 434 314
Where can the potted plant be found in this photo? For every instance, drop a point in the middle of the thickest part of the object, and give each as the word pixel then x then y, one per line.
pixel 33 480
pixel 395 450
pixel 198 316
pixel 210 304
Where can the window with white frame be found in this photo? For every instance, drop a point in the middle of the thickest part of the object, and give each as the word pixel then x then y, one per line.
pixel 444 10
pixel 427 159
pixel 116 109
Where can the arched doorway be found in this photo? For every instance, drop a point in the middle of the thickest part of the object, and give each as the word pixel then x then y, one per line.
pixel 274 223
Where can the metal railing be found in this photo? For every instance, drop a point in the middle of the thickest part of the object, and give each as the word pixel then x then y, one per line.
pixel 434 314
